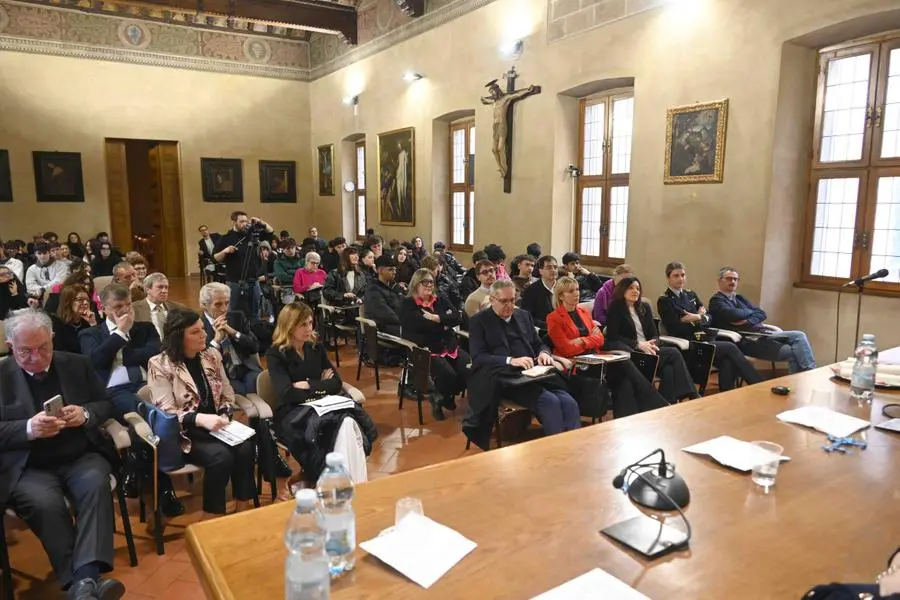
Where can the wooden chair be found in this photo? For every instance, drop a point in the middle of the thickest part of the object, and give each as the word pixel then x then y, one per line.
pixel 332 326
pixel 101 282
pixel 507 410
pixel 122 441
pixel 371 343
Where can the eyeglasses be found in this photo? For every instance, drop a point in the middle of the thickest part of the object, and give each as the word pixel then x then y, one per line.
pixel 44 348
pixel 82 299
pixel 504 301
pixel 428 282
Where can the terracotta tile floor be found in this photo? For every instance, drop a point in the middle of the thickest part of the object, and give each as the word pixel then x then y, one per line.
pixel 402 445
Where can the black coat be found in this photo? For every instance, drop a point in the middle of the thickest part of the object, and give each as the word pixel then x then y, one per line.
pixel 80 386
pixel 247 346
pixel 537 300
pixel 449 289
pixel 65 335
pixel 620 331
pixel 336 287
pixel 468 284
pixel 101 347
pixel 673 306
pixel 205 254
pixel 437 337
pixel 287 367
pixel 382 305
pixel 10 302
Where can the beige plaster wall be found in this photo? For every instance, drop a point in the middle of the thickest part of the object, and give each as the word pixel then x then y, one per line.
pixel 72 105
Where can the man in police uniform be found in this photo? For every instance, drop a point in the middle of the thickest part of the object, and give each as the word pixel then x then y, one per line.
pixel 683 315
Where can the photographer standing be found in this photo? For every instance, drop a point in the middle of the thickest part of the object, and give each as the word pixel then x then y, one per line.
pixel 238 251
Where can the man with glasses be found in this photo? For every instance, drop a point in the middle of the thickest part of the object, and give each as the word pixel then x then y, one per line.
pixel 504 336
pixel 537 298
pixel 480 298
pixel 730 310
pixel 47 460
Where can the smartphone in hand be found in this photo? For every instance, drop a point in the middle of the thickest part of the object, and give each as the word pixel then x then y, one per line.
pixel 53 407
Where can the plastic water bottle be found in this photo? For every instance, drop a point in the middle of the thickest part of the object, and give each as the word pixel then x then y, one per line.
pixel 306 574
pixel 862 382
pixel 335 491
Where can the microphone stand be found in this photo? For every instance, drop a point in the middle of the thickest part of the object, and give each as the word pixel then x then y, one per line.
pixel 859 291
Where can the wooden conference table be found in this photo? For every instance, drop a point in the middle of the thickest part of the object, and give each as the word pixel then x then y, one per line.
pixel 535 510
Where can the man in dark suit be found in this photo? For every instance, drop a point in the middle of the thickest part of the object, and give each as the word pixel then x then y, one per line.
pixel 229 333
pixel 381 302
pixel 205 248
pixel 505 335
pixel 119 349
pixel 537 298
pixel 683 315
pixel 46 459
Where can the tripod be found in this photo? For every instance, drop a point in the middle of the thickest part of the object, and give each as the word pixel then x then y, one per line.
pixel 860 287
pixel 246 287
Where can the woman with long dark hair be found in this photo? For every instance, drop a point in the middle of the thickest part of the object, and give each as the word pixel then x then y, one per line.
pixel 76 247
pixel 367 262
pixel 630 326
pixel 418 250
pixel 345 285
pixel 13 294
pixel 406 266
pixel 75 313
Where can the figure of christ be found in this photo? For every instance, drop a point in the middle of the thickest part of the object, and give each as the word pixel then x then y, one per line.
pixel 402 179
pixel 502 105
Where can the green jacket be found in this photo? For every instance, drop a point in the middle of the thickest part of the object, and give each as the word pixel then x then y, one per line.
pixel 285 268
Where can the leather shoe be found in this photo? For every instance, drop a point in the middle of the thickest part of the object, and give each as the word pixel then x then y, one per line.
pixel 129 485
pixel 436 412
pixel 282 469
pixel 170 504
pixel 449 402
pixel 85 589
pixel 110 589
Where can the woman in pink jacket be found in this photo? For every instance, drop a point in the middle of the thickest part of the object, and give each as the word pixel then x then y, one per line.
pixel 310 277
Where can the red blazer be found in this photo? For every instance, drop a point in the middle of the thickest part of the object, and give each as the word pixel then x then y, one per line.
pixel 563 333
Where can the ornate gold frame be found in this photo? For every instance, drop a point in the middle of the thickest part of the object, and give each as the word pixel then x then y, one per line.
pixel 412 169
pixel 721 128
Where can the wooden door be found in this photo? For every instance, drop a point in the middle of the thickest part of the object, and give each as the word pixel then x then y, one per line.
pixel 117 194
pixel 164 164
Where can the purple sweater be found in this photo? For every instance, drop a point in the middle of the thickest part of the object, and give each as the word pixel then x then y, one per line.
pixel 601 301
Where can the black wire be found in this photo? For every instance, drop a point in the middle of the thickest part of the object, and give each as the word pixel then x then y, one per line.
pixel 633 470
pixel 887 413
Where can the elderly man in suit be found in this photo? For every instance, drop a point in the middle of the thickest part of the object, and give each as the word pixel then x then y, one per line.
pixel 229 333
pixel 504 335
pixel 46 459
pixel 156 306
pixel 119 349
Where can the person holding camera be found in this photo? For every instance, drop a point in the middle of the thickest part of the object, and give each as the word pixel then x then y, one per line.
pixel 237 250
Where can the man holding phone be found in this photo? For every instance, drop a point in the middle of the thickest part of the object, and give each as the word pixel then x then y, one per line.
pixel 45 459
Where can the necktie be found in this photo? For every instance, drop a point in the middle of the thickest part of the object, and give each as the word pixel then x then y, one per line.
pixel 159 317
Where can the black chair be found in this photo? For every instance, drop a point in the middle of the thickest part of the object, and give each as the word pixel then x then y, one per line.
pixel 416 373
pixel 333 325
pixel 507 410
pixel 646 364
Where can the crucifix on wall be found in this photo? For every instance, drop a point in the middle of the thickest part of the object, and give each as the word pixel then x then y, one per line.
pixel 503 103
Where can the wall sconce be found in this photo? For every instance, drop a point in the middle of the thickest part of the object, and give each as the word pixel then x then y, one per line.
pixel 411 76
pixel 513 49
pixel 354 102
pixel 573 171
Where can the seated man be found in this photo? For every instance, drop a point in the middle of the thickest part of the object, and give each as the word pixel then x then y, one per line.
pixel 288 263
pixel 14 264
pixel 522 273
pixel 44 272
pixel 504 336
pixel 588 283
pixel 683 315
pixel 229 333
pixel 125 274
pixel 156 306
pixel 331 258
pixel 469 282
pixel 730 310
pixel 383 297
pixel 537 298
pixel 45 460
pixel 119 349
pixel 480 298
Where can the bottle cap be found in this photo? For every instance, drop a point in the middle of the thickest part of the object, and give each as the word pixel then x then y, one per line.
pixel 335 459
pixel 868 336
pixel 306 498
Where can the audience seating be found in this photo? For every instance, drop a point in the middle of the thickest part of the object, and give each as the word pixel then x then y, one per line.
pixel 101 282
pixel 4 349
pixel 331 326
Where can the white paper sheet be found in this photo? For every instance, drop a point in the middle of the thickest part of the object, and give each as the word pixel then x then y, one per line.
pixel 733 453
pixel 593 584
pixel 420 548
pixel 234 433
pixel 537 370
pixel 892 425
pixel 824 419
pixel 329 404
pixel 600 358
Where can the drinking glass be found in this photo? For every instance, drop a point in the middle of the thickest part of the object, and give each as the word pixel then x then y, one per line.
pixel 406 506
pixel 764 473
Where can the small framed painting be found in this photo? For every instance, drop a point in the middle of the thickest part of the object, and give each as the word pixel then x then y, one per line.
pixel 57 177
pixel 397 177
pixel 5 177
pixel 695 143
pixel 223 179
pixel 326 170
pixel 278 181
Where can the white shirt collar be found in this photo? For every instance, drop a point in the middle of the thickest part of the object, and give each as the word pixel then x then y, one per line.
pixel 152 304
pixel 111 325
pixel 674 291
pixel 546 287
pixel 486 289
pixel 209 318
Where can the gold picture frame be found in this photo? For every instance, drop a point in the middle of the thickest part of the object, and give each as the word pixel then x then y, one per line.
pixel 396 161
pixel 695 143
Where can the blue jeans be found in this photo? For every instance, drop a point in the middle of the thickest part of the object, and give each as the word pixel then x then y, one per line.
pixel 796 351
pixel 247 384
pixel 124 397
pixel 556 409
pixel 236 302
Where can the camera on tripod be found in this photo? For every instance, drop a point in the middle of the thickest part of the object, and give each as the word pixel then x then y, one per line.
pixel 255 228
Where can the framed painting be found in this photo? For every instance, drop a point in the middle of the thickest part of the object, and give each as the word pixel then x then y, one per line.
pixel 397 177
pixel 223 179
pixel 5 177
pixel 57 177
pixel 278 181
pixel 326 170
pixel 695 143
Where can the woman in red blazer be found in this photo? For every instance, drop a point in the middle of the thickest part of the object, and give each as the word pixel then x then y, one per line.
pixel 573 332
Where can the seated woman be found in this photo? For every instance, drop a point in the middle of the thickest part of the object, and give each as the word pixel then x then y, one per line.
pixel 188 379
pixel 630 326
pixel 345 285
pixel 310 278
pixel 13 294
pixel 406 266
pixel 427 320
pixel 573 332
pixel 75 312
pixel 367 265
pixel 604 295
pixel 300 372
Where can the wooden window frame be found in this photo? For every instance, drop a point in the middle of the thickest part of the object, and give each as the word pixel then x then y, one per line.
pixel 360 192
pixel 466 187
pixel 868 169
pixel 606 182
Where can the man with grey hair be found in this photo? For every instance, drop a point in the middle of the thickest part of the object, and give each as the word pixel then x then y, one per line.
pixel 730 310
pixel 229 333
pixel 49 458
pixel 503 342
pixel 125 274
pixel 156 306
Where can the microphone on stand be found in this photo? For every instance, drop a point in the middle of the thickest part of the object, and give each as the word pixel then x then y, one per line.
pixel 863 280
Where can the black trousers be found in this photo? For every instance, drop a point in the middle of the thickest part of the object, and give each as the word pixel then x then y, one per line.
pixel 675 381
pixel 222 462
pixel 732 364
pixel 39 498
pixel 450 374
pixel 631 391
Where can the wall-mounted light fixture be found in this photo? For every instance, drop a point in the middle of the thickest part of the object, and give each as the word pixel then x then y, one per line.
pixel 354 102
pixel 573 171
pixel 411 76
pixel 512 49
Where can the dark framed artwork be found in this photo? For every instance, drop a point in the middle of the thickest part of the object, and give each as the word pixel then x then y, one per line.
pixel 278 181
pixel 5 177
pixel 223 179
pixel 57 177
pixel 326 170
pixel 397 177
pixel 695 143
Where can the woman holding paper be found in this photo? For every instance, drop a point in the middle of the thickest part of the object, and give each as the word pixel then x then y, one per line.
pixel 573 332
pixel 188 379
